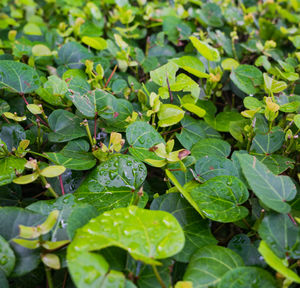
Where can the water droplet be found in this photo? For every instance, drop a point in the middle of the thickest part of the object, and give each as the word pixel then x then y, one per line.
pixel 66 199
pixel 167 223
pixel 112 175
pixel 141 140
pixel 3 260
pixel 108 192
pixel 132 210
pixel 129 163
pixel 126 233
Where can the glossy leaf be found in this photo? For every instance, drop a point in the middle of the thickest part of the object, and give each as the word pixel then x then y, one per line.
pixel 53 171
pixel 113 184
pixel 160 75
pixel 8 168
pixel 220 198
pixel 97 43
pixel 146 235
pixel 247 277
pixel 209 264
pixel 169 114
pixel 272 190
pixel 196 229
pixel 205 49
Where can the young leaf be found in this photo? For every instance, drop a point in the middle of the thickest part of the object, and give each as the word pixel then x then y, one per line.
pixel 205 49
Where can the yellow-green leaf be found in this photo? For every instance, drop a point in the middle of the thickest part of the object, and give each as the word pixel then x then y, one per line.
pixel 205 50
pixel 26 179
pixel 53 171
pixel 97 43
pixel 51 260
pixel 194 109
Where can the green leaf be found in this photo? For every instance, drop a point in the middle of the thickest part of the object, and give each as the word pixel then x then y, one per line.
pixel 184 82
pixel 247 277
pixel 3 280
pixel 276 163
pixel 53 171
pixel 190 64
pixel 205 49
pixel 97 43
pixel 208 167
pixel 65 126
pixel 220 198
pixel 210 147
pixel 297 120
pixel 141 136
pixel 194 109
pixel 272 85
pixel 247 78
pixel 72 55
pixel 160 75
pixel 268 143
pixel 32 29
pixel 113 184
pixel 18 77
pixel 169 114
pixel 252 103
pixel 196 230
pixel 4 107
pixel 279 232
pixel 277 263
pixel 8 168
pixel 209 264
pixel 7 257
pixel 26 179
pixel 229 64
pixel 223 120
pixel 274 191
pixel 147 235
pixel 10 219
pixel 211 15
pixel 74 156
pixel 41 50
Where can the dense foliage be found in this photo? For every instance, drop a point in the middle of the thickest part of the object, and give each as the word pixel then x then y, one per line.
pixel 149 143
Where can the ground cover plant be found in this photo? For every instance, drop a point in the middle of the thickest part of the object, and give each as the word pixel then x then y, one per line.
pixel 149 143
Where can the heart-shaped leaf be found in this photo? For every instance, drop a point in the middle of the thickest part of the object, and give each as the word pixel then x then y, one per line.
pixel 114 183
pixel 247 277
pixel 211 147
pixel 272 190
pixel 220 198
pixel 209 264
pixel 196 229
pixel 65 126
pixel 18 77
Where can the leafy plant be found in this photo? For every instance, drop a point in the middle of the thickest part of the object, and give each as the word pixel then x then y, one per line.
pixel 149 143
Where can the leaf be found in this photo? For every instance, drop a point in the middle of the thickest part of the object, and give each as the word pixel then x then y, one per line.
pixel 65 126
pixel 190 64
pixel 113 184
pixel 272 85
pixel 208 167
pixel 141 136
pixel 205 49
pixel 146 235
pixel 274 191
pixel 97 43
pixel 209 264
pixel 184 82
pixel 277 263
pixel 211 15
pixel 41 50
pixel 53 171
pixel 7 257
pixel 220 198
pixel 210 147
pixel 18 77
pixel 229 64
pixel 247 277
pixel 75 155
pixel 160 75
pixel 72 55
pixel 268 143
pixel 169 114
pixel 8 168
pixel 194 109
pixel 51 260
pixel 247 78
pixel 276 163
pixel 223 120
pixel 297 120
pixel 241 244
pixel 3 280
pixel 10 219
pixel 4 107
pixel 279 232
pixel 196 230
pixel 26 179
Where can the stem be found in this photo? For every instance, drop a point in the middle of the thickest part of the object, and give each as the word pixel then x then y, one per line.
pixel 87 128
pixel 38 135
pixel 6 120
pixel 61 185
pixel 95 126
pixel 48 186
pixel 162 284
pixel 111 75
pixel 292 219
pixel 49 277
pixel 169 88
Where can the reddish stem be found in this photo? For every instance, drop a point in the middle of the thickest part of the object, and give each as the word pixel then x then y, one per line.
pixel 61 185
pixel 111 75
pixel 38 117
pixel 292 219
pixel 169 88
pixel 5 119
